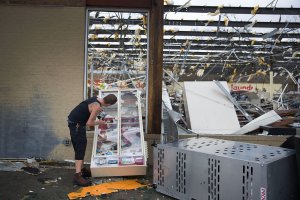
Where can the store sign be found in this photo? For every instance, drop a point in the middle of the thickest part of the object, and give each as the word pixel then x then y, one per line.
pixel 241 87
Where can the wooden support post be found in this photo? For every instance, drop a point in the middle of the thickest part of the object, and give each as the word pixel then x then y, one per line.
pixel 155 65
pixel 271 85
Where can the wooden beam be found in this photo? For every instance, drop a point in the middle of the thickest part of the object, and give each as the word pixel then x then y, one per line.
pixel 142 4
pixel 73 3
pixel 155 58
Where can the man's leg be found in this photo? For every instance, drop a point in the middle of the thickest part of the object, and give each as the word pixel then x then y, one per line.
pixel 78 165
pixel 79 141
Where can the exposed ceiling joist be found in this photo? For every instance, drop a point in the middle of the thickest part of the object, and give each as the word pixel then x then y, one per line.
pixel 234 10
pixel 200 41
pixel 196 33
pixel 198 23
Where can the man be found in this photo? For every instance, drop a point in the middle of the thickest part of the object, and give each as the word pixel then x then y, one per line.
pixel 85 114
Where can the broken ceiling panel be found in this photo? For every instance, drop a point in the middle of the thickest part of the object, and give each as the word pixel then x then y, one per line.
pixel 208 110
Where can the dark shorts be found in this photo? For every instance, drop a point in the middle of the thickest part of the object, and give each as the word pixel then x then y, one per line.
pixel 79 141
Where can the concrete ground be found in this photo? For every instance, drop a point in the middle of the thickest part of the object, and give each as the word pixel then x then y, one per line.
pixel 19 185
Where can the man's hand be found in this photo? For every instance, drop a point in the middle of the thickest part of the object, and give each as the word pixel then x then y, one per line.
pixel 101 122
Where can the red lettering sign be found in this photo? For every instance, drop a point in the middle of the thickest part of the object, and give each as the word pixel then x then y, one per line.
pixel 241 87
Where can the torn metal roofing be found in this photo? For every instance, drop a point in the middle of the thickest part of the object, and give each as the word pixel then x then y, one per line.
pixel 239 41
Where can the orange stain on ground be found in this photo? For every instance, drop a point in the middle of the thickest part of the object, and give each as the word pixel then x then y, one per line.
pixel 105 188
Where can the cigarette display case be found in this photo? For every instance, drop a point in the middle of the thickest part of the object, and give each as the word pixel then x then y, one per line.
pixel 118 146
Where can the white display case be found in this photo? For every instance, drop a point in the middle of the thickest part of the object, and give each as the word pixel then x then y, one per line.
pixel 118 146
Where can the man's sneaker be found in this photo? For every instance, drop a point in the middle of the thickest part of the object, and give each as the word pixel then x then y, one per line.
pixel 79 180
pixel 85 173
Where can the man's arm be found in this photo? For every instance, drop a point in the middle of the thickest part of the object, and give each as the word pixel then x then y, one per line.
pixel 95 110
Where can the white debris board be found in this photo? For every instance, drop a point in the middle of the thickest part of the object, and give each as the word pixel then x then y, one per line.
pixel 208 110
pixel 263 120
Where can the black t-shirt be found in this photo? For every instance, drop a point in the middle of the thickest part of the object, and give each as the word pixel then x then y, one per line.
pixel 81 113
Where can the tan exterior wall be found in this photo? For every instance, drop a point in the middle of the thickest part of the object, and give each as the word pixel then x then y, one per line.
pixel 42 78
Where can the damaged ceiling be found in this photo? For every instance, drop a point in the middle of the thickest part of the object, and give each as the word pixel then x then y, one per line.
pixel 232 43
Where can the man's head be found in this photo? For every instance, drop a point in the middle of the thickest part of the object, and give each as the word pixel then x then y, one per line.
pixel 110 100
